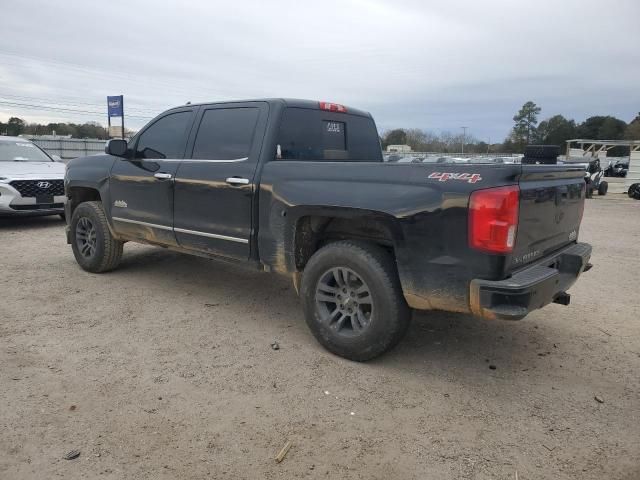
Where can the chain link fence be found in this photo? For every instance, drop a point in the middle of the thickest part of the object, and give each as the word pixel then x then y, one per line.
pixel 68 148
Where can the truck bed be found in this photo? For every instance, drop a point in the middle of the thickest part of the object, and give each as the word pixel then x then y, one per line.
pixel 426 208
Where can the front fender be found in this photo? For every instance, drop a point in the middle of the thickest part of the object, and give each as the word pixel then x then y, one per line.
pixel 89 172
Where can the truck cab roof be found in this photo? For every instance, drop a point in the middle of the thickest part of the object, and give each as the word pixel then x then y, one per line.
pixel 288 102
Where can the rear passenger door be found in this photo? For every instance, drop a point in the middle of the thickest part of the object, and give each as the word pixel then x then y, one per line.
pixel 214 184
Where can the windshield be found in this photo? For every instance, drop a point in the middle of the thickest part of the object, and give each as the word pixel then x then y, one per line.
pixel 21 151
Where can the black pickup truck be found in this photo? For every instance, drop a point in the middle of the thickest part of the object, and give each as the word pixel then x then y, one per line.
pixel 300 188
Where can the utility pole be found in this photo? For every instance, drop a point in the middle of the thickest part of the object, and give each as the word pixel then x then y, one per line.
pixel 464 136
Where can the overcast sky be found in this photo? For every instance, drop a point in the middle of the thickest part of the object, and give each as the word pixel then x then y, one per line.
pixel 435 65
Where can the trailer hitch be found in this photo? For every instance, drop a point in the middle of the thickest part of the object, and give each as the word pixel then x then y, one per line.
pixel 562 298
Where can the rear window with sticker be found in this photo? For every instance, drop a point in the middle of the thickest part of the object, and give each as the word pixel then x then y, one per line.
pixel 318 135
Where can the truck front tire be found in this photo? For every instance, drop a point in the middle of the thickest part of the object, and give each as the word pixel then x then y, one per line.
pixel 353 301
pixel 93 245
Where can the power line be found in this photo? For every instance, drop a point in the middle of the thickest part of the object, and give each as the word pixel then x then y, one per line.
pixel 74 103
pixel 60 109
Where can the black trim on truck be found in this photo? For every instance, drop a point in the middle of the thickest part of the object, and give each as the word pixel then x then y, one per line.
pixel 531 288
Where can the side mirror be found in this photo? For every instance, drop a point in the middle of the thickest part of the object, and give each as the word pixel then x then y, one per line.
pixel 117 147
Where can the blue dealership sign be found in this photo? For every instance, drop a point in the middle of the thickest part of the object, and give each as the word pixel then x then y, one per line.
pixel 115 106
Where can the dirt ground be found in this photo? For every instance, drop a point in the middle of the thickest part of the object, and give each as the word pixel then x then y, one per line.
pixel 164 369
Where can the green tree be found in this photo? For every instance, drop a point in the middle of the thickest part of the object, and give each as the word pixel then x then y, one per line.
pixel 612 129
pixel 91 130
pixel 508 146
pixel 589 128
pixel 632 132
pixel 525 123
pixel 481 147
pixel 416 139
pixel 15 126
pixel 395 137
pixel 602 128
pixel 555 131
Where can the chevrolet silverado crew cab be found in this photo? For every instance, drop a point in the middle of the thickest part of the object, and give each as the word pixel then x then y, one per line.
pixel 300 188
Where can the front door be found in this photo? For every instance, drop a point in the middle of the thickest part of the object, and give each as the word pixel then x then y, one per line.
pixel 142 187
pixel 214 183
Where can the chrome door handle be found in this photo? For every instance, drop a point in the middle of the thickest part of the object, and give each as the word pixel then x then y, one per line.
pixel 237 181
pixel 163 176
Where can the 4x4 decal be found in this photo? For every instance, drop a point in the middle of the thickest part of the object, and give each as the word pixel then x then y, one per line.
pixel 465 177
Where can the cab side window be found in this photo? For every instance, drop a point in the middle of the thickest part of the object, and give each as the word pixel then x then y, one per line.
pixel 225 134
pixel 166 138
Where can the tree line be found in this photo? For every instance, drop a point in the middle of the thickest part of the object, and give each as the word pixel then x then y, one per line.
pixel 428 141
pixel 555 130
pixel 17 126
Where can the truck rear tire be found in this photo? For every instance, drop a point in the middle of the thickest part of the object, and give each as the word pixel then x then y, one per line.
pixel 634 191
pixel 603 188
pixel 93 245
pixel 353 301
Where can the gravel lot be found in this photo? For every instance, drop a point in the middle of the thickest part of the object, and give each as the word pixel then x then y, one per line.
pixel 164 369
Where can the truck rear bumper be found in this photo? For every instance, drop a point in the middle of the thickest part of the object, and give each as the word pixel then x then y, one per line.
pixel 534 287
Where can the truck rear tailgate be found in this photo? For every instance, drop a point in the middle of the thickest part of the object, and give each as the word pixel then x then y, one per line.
pixel 551 206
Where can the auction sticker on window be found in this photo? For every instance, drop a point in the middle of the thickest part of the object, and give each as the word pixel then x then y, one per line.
pixel 333 136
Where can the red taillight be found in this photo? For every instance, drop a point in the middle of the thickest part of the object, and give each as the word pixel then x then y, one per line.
pixel 333 107
pixel 493 219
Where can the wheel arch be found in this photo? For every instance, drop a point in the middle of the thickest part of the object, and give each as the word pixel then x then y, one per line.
pixel 79 194
pixel 315 228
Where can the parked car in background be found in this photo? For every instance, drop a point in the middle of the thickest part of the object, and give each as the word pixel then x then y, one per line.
pixel 617 168
pixel 31 182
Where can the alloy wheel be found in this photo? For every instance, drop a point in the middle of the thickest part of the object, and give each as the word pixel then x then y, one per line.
pixel 86 237
pixel 344 301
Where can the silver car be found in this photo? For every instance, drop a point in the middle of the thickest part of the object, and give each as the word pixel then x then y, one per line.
pixel 31 182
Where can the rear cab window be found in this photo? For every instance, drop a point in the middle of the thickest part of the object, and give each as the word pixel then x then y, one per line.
pixel 319 135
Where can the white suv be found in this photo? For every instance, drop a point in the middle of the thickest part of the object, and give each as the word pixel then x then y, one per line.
pixel 31 182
